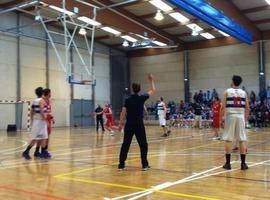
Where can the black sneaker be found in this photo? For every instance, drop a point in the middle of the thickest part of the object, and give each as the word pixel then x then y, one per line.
pixel 244 166
pixel 145 168
pixel 45 155
pixel 227 166
pixel 121 167
pixel 165 135
pixel 37 154
pixel 26 155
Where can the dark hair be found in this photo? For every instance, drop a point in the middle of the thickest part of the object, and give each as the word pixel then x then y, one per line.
pixel 237 80
pixel 46 91
pixel 39 92
pixel 161 98
pixel 136 87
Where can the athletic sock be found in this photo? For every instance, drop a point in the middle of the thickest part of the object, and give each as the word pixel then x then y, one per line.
pixel 46 147
pixel 28 148
pixel 43 149
pixel 228 158
pixel 37 149
pixel 243 158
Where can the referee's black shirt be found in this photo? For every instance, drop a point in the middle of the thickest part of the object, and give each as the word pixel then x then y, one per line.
pixel 135 107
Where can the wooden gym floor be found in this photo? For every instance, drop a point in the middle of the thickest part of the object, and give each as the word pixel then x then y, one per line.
pixel 187 165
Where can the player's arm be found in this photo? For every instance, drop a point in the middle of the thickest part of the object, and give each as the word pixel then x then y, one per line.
pixel 222 107
pixel 165 108
pixel 122 117
pixel 152 85
pixel 41 106
pixel 31 115
pixel 247 109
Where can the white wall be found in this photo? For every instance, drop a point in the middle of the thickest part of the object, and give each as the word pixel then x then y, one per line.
pixel 168 72
pixel 213 67
pixel 33 72
pixel 7 79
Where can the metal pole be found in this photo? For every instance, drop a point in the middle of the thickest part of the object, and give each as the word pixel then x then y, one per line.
pixel 21 6
pixel 261 53
pixel 18 82
pixel 47 63
pixel 186 76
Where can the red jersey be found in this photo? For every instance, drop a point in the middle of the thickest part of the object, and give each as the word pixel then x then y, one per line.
pixel 216 111
pixel 108 112
pixel 48 112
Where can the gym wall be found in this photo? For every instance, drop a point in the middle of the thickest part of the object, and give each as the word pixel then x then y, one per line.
pixel 33 71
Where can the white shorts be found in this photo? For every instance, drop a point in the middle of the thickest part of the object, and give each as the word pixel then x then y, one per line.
pixel 235 128
pixel 162 120
pixel 39 130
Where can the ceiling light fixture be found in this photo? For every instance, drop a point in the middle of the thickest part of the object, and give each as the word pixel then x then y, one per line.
pixel 128 38
pixel 160 43
pixel 61 10
pixel 223 33
pixel 268 1
pixel 89 21
pixel 125 43
pixel 179 17
pixel 208 36
pixel 161 5
pixel 111 30
pixel 82 31
pixel 159 16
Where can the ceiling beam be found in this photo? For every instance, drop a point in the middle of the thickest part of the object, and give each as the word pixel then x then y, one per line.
pixel 150 26
pixel 230 10
pixel 176 24
pixel 262 21
pixel 11 3
pixel 209 30
pixel 257 9
pixel 153 14
pixel 132 3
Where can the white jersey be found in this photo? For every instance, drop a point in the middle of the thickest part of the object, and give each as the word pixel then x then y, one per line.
pixel 36 108
pixel 160 108
pixel 236 101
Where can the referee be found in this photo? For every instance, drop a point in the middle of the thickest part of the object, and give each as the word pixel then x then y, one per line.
pixel 133 110
pixel 99 118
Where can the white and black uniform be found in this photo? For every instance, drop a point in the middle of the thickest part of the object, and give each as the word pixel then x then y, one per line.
pixel 161 114
pixel 39 127
pixel 235 115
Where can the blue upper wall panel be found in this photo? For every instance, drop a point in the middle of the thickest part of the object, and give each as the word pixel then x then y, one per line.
pixel 204 11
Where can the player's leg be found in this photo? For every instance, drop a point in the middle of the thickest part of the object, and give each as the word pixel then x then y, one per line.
pixel 142 141
pixel 241 136
pixel 25 154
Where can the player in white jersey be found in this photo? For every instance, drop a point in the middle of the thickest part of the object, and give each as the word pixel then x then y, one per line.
pixel 162 110
pixel 235 109
pixel 39 126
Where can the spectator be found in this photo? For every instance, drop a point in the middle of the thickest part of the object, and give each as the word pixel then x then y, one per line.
pixel 252 97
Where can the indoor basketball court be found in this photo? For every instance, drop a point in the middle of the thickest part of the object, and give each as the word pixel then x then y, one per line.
pixel 189 78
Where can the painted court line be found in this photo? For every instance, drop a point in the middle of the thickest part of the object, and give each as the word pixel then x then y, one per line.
pixel 31 193
pixel 200 175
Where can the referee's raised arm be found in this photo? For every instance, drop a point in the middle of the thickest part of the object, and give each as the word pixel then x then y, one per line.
pixel 152 85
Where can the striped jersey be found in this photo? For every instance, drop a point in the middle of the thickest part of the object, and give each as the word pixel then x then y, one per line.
pixel 236 101
pixel 36 108
pixel 160 108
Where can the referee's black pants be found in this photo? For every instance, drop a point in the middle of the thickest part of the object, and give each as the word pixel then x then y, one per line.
pixel 139 131
pixel 99 120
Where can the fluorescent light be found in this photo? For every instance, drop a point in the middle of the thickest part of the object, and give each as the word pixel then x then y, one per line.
pixel 61 10
pixel 261 73
pixel 161 5
pixel 111 30
pixel 225 34
pixel 128 38
pixel 160 43
pixel 179 17
pixel 89 21
pixel 194 27
pixel 195 33
pixel 268 1
pixel 207 36
pixel 142 37
pixel 159 16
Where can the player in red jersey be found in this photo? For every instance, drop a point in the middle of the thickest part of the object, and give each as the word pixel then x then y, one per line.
pixel 49 118
pixel 109 125
pixel 216 106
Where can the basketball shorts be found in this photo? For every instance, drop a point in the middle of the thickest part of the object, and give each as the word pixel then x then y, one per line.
pixel 234 128
pixel 109 122
pixel 162 120
pixel 39 130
